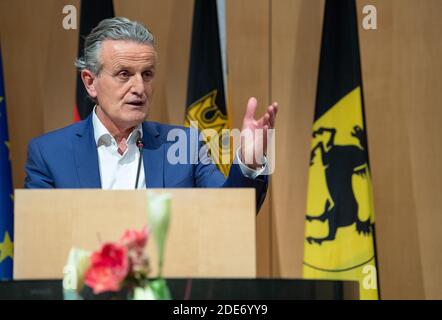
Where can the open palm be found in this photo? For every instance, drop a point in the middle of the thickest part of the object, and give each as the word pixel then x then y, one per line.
pixel 255 146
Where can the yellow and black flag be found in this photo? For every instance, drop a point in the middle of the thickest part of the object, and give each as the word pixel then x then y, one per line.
pixel 206 97
pixel 339 235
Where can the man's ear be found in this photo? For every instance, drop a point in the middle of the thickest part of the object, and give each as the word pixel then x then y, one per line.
pixel 89 82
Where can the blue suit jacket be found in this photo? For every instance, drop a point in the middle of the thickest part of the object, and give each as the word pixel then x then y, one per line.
pixel 68 158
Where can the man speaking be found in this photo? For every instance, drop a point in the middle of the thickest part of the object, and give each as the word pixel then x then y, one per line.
pixel 115 148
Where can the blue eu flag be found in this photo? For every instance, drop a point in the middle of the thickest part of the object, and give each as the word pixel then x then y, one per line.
pixel 6 195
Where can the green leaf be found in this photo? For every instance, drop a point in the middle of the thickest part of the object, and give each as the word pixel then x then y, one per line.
pixel 160 289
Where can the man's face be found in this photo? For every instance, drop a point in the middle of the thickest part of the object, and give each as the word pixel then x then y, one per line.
pixel 123 89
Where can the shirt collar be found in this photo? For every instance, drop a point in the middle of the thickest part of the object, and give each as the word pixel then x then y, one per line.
pixel 103 136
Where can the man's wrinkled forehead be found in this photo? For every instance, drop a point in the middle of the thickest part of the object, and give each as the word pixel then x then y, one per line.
pixel 121 53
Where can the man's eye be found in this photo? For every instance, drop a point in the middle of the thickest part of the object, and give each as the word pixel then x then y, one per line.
pixel 148 75
pixel 123 74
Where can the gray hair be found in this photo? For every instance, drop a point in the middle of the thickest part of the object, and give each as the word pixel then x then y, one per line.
pixel 117 28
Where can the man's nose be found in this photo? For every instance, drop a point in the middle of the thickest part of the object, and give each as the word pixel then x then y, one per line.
pixel 137 85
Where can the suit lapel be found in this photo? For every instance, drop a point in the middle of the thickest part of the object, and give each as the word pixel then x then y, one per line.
pixel 153 156
pixel 86 156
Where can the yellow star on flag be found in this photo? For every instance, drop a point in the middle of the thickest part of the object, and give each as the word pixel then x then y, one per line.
pixel 6 248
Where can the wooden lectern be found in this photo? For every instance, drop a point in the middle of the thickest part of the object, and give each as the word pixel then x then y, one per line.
pixel 211 233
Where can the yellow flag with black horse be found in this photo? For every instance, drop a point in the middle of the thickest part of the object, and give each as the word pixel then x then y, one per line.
pixel 339 229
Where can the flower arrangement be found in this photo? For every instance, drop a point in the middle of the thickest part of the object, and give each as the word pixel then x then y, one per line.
pixel 120 270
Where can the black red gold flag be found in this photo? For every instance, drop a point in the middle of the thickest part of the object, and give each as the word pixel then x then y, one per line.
pixel 91 13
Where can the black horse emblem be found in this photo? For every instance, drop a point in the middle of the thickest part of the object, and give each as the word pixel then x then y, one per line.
pixel 341 162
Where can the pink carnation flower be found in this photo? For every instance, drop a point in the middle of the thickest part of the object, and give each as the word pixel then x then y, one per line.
pixel 108 268
pixel 135 240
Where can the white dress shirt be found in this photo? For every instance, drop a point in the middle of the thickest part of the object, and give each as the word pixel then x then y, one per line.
pixel 119 171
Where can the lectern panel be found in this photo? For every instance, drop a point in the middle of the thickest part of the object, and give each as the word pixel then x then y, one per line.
pixel 212 231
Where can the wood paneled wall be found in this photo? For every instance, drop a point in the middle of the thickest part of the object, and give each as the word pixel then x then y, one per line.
pixel 273 54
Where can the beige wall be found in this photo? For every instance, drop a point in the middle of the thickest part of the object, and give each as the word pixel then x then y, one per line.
pixel 273 52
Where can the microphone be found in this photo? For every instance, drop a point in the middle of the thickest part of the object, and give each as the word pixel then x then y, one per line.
pixel 140 146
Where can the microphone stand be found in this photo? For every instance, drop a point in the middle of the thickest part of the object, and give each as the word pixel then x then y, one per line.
pixel 140 146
